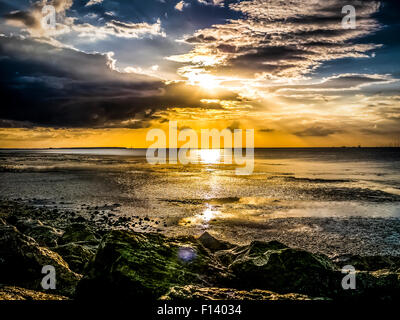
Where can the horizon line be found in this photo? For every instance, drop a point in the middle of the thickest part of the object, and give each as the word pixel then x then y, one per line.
pixel 128 148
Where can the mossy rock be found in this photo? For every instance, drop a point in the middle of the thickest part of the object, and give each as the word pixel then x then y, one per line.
pixel 22 260
pixel 255 248
pixel 213 244
pixel 79 232
pixel 276 267
pixel 381 285
pixel 138 265
pixel 76 255
pixel 43 234
pixel 368 263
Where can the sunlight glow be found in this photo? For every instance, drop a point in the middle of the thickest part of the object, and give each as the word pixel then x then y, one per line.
pixel 208 214
pixel 205 81
pixel 210 156
pixel 203 218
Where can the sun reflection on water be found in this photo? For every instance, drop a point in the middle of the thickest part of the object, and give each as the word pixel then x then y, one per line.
pixel 203 218
pixel 209 214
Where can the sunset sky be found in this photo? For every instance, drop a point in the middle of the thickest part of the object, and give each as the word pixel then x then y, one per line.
pixel 112 70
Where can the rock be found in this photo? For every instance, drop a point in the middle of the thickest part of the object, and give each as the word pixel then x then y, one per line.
pixel 255 248
pixel 76 255
pixel 368 263
pixel 12 219
pixel 79 219
pixel 123 220
pixel 23 223
pixel 17 293
pixel 43 234
pixel 380 285
pixel 22 260
pixel 213 244
pixel 275 267
pixel 132 265
pixel 79 232
pixel 212 293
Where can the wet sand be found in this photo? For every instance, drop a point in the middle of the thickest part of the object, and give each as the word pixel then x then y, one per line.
pixel 328 202
pixel 332 236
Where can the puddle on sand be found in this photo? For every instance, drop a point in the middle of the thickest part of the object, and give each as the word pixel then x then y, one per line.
pixel 203 219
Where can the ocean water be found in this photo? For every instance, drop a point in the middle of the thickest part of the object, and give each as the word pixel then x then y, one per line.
pixel 335 201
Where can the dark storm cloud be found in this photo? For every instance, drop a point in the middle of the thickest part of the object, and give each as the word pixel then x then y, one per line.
pixel 340 82
pixel 15 124
pixel 24 17
pixel 270 59
pixel 51 86
pixel 285 39
pixel 385 131
pixel 31 16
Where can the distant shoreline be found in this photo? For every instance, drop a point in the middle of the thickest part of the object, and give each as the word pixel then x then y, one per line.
pixel 260 148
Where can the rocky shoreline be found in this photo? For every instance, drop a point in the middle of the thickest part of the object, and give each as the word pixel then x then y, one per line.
pixel 109 261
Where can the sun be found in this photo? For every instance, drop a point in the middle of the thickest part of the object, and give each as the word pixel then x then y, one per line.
pixel 206 81
pixel 210 156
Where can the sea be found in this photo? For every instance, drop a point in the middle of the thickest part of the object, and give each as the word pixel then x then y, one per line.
pixel 330 200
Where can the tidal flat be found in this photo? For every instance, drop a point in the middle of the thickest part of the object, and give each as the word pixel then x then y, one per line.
pixel 116 263
pixel 331 201
pixel 308 208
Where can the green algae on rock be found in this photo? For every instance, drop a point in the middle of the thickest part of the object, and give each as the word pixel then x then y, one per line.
pixel 79 232
pixel 43 234
pixel 126 264
pixel 368 263
pixel 23 259
pixel 282 269
pixel 76 255
pixel 130 264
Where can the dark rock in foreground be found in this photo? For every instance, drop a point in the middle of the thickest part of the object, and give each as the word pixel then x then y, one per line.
pixel 43 234
pixel 17 293
pixel 22 260
pixel 127 265
pixel 212 243
pixel 142 265
pixel 76 255
pixel 136 265
pixel 79 232
pixel 213 293
pixel 276 267
pixel 377 285
pixel 369 263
